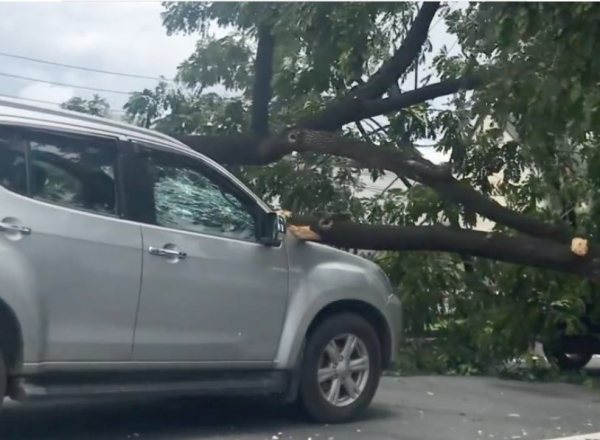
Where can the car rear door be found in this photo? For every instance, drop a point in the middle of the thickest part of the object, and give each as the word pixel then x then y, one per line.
pixel 61 227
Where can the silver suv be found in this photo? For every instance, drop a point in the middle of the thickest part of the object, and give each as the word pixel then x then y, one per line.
pixel 134 265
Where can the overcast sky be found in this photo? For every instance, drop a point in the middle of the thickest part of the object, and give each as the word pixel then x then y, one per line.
pixel 123 37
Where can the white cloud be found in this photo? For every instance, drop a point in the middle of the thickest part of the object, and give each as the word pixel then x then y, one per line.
pixel 116 36
pixel 46 92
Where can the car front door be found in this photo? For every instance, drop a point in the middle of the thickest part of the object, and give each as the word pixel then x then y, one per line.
pixel 210 291
pixel 60 228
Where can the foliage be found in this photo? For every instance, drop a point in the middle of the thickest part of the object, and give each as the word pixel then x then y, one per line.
pixel 96 106
pixel 541 87
pixel 493 311
pixel 543 91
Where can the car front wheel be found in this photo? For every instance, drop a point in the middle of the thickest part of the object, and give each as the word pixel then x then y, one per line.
pixel 341 369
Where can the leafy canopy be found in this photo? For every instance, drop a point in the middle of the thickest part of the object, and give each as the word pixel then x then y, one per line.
pixel 541 87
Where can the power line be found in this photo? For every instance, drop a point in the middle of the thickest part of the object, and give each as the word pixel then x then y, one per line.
pixel 87 69
pixel 452 47
pixel 432 27
pixel 41 101
pixel 120 92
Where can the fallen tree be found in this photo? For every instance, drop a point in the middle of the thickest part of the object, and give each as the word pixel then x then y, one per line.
pixel 536 243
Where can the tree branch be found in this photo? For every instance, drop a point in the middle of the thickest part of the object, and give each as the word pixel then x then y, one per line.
pixel 356 109
pixel 371 108
pixel 367 139
pixel 261 89
pixel 256 150
pixel 436 177
pixel 253 151
pixel 346 109
pixel 403 58
pixel 527 251
pixel 237 150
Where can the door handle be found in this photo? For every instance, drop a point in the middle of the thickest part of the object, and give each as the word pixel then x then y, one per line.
pixel 9 227
pixel 162 252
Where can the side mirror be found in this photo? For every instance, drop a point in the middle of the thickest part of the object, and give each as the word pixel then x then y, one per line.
pixel 272 229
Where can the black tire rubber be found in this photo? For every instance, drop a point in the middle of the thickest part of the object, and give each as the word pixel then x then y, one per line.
pixel 557 357
pixel 310 398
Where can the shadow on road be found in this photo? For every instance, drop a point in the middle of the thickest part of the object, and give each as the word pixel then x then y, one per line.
pixel 170 419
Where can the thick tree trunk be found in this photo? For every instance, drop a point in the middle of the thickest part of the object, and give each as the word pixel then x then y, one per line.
pixel 520 249
pixel 238 150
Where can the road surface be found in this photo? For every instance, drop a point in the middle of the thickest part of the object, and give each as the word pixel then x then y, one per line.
pixel 412 408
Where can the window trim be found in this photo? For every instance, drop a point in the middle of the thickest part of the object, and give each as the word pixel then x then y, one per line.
pixel 212 173
pixel 20 136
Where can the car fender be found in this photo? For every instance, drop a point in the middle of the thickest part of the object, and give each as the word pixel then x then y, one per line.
pixel 327 283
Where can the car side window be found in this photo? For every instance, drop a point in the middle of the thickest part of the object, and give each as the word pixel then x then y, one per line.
pixel 64 169
pixel 191 197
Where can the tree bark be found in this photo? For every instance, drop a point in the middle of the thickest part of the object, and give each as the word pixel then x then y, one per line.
pixel 403 58
pixel 237 150
pixel 522 250
pixel 436 177
pixel 376 107
pixel 261 89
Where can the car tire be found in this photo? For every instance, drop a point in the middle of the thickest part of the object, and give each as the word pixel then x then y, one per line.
pixel 556 356
pixel 326 394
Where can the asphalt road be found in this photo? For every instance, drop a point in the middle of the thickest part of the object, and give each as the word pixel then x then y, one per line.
pixel 414 408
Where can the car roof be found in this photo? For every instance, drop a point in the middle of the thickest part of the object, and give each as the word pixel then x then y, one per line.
pixel 20 110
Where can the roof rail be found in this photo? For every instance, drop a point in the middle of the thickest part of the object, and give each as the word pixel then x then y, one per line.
pixel 24 105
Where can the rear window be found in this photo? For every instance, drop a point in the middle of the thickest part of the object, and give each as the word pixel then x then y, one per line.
pixel 60 168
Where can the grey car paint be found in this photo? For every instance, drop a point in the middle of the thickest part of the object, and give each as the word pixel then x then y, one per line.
pixel 83 273
pixel 225 302
pixel 68 327
pixel 321 275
